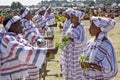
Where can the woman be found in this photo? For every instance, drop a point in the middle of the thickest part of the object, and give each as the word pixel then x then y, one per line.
pixel 101 62
pixel 67 23
pixel 71 52
pixel 30 32
pixel 14 50
pixel 39 20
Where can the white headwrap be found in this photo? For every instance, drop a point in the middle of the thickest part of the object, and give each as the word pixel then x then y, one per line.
pixel 41 9
pixel 27 10
pixel 105 24
pixel 10 22
pixel 77 13
pixel 69 11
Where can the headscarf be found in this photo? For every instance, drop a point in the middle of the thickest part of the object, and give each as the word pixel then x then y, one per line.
pixel 78 14
pixel 105 24
pixel 9 23
pixel 40 9
pixel 68 11
pixel 26 11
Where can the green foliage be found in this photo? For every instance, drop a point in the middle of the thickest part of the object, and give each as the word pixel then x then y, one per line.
pixel 3 13
pixel 62 44
pixel 16 5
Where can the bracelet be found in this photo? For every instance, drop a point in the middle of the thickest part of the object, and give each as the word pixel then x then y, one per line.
pixel 92 66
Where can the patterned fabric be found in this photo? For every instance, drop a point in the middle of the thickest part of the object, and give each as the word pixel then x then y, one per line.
pixel 105 24
pixel 40 9
pixel 49 18
pixel 69 11
pixel 27 10
pixel 40 22
pixel 70 55
pixel 77 13
pixel 105 57
pixel 39 19
pixel 11 21
pixel 16 50
pixel 66 25
pixel 31 33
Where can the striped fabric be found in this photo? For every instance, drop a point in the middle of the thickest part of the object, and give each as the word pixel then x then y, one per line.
pixel 38 19
pixel 16 52
pixel 49 18
pixel 31 33
pixel 105 58
pixel 66 25
pixel 70 55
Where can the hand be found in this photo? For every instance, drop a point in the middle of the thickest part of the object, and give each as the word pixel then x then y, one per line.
pixel 85 65
pixel 52 51
pixel 39 43
pixel 71 39
pixel 54 25
pixel 60 26
pixel 49 38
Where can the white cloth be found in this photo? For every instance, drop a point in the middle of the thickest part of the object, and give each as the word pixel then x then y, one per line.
pixel 105 57
pixel 27 10
pixel 69 57
pixel 69 11
pixel 105 24
pixel 11 21
pixel 40 9
pixel 15 49
pixel 77 13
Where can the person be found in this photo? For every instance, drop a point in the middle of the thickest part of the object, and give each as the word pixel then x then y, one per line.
pixel 100 63
pixel 50 24
pixel 72 50
pixel 67 23
pixel 14 50
pixel 30 31
pixel 39 21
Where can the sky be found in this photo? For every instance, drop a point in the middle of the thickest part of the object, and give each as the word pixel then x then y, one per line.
pixel 24 2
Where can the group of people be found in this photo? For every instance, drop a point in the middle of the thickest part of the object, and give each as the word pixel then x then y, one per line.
pixel 23 47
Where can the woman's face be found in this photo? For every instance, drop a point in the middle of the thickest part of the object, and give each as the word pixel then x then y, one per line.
pixel 42 12
pixel 94 30
pixel 49 11
pixel 74 19
pixel 29 16
pixel 17 27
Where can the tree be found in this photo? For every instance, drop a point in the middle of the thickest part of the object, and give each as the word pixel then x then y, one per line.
pixel 91 3
pixel 16 5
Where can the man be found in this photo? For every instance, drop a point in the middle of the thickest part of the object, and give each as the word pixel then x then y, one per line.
pixel 14 50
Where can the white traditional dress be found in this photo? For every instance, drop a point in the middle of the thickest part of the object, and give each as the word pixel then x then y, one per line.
pixel 101 52
pixel 49 18
pixel 71 69
pixel 105 58
pixel 39 20
pixel 15 50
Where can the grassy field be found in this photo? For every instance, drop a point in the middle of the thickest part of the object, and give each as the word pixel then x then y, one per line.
pixel 53 68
